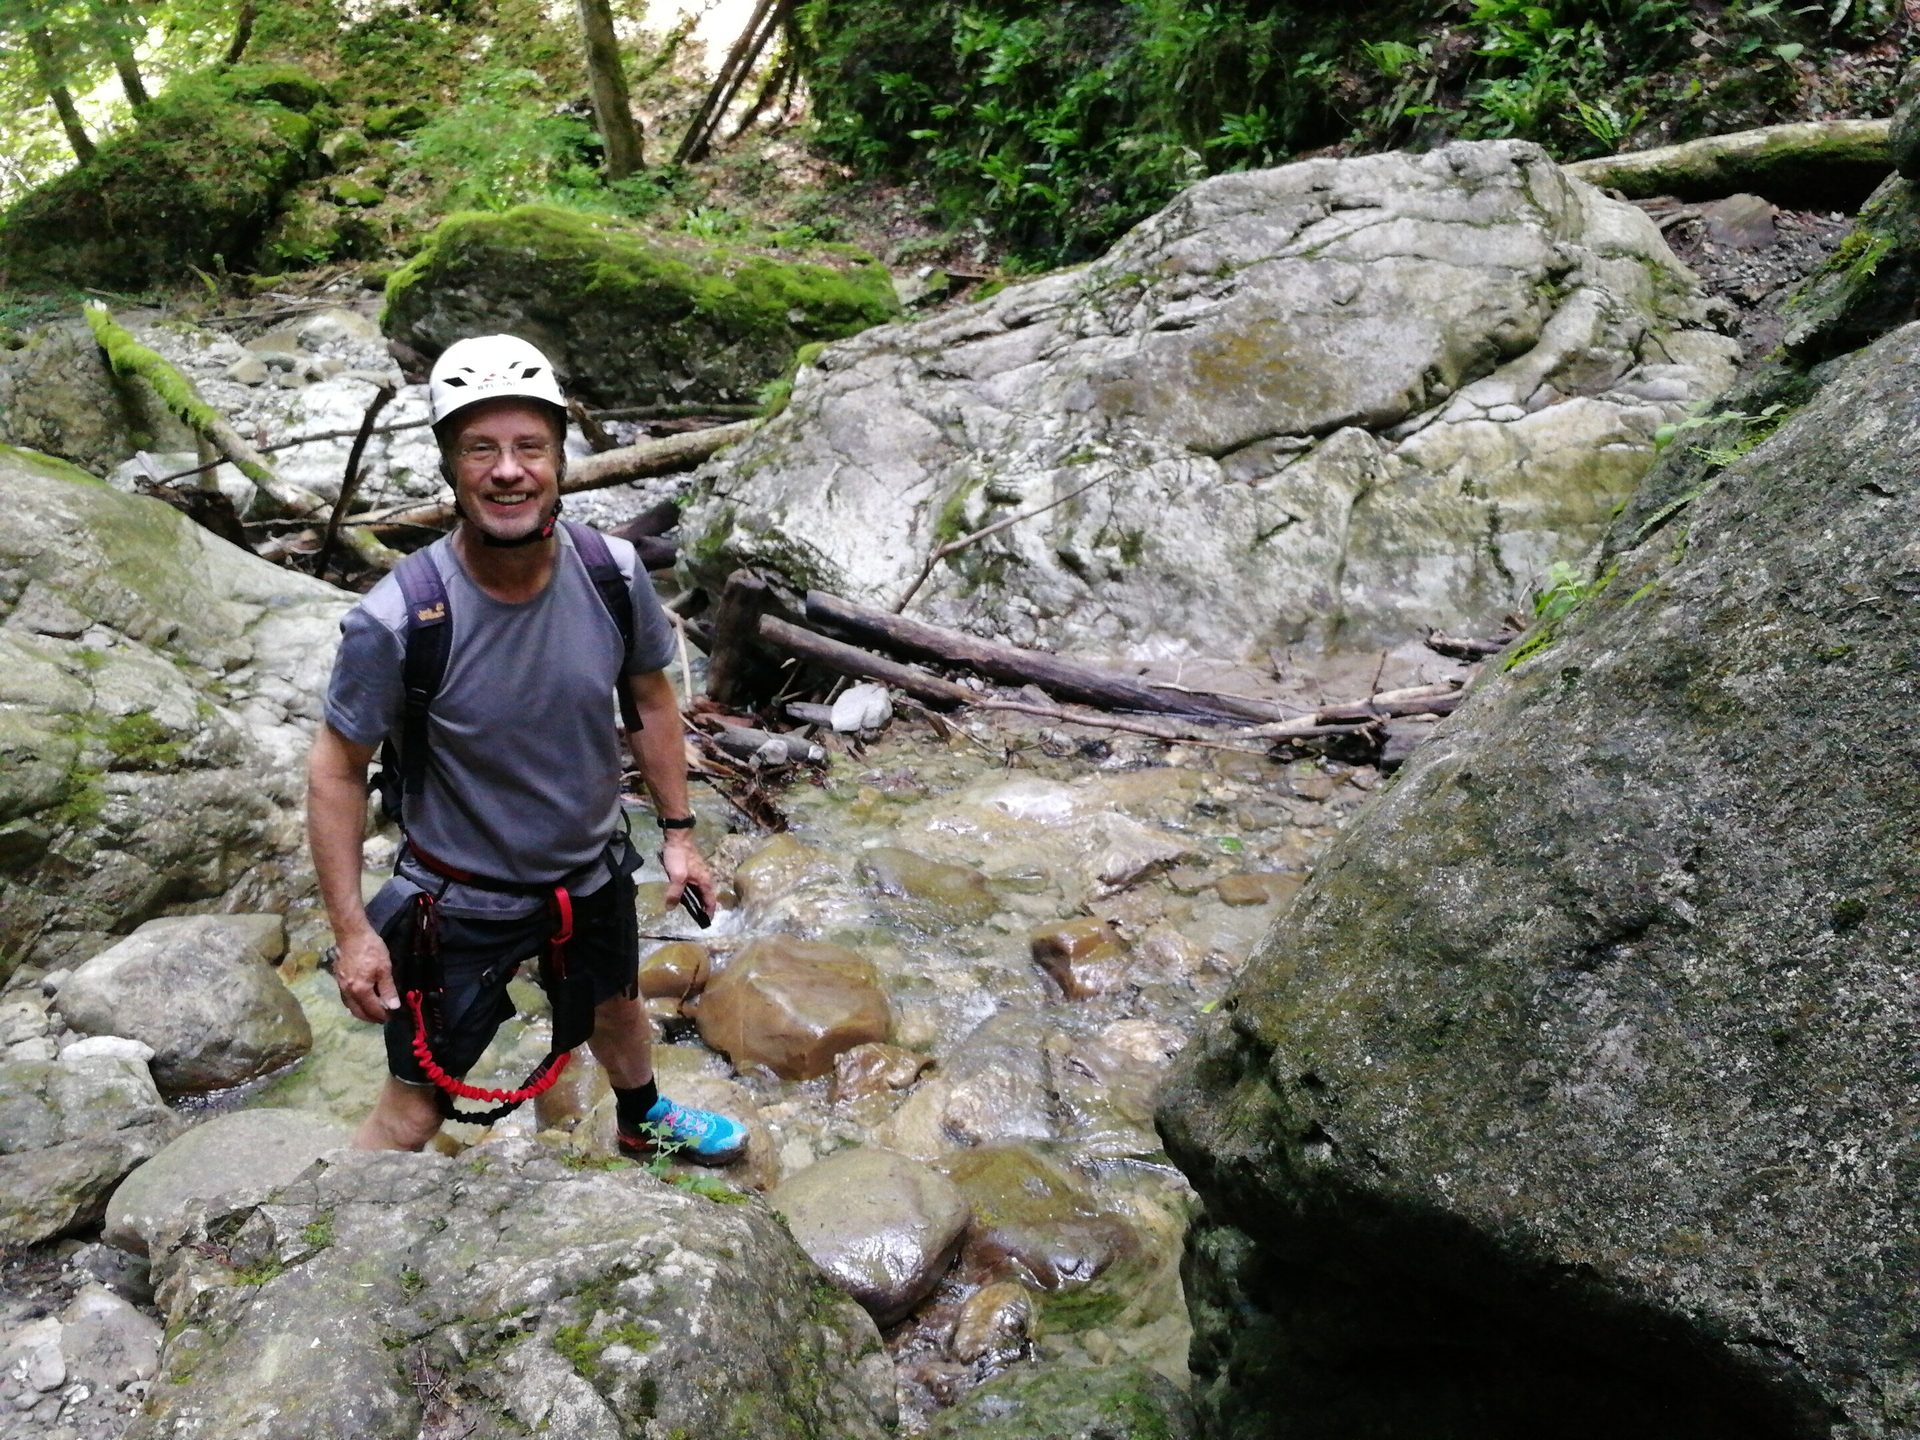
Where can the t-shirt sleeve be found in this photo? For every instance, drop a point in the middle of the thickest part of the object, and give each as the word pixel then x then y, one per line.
pixel 365 695
pixel 653 641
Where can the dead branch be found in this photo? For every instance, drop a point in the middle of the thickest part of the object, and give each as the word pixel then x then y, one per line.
pixel 350 482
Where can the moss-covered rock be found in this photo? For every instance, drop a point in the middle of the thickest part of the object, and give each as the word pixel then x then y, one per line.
pixel 1904 137
pixel 630 314
pixel 1823 163
pixel 1112 1402
pixel 1575 1096
pixel 387 120
pixel 156 685
pixel 194 183
pixel 310 232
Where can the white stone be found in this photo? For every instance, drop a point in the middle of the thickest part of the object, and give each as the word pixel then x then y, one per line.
pixel 35 1352
pixel 106 1047
pixel 861 707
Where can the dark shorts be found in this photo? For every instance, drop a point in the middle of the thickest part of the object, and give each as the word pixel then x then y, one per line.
pixel 479 957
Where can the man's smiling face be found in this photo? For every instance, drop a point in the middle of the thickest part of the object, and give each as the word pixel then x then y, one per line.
pixel 505 458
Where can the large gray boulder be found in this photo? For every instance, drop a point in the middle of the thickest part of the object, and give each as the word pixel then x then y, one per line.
pixel 157 688
pixel 247 1152
pixel 69 1130
pixel 504 1294
pixel 1575 1094
pixel 199 992
pixel 1332 402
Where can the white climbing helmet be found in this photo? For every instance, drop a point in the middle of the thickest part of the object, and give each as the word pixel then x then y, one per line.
pixel 489 367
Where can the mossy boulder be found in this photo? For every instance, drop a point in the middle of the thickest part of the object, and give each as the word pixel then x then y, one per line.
pixel 630 314
pixel 194 184
pixel 1063 1402
pixel 312 231
pixel 1575 1095
pixel 157 687
pixel 1809 163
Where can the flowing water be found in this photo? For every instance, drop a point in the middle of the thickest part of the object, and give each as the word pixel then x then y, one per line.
pixel 936 857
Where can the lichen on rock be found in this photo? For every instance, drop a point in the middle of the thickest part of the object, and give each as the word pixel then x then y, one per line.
pixel 1584 1059
pixel 1332 403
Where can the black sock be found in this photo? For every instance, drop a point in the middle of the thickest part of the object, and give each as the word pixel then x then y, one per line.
pixel 630 1107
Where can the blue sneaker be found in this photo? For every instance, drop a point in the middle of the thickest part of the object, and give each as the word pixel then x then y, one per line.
pixel 680 1132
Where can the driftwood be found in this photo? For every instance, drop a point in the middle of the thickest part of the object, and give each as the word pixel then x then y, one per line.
pixel 1468 648
pixel 1808 164
pixel 131 360
pixel 1064 679
pixel 1357 717
pixel 595 472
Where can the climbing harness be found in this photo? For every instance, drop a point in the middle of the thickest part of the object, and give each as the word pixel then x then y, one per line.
pixel 418 977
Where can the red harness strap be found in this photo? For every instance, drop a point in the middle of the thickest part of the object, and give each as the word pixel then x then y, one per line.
pixel 427 937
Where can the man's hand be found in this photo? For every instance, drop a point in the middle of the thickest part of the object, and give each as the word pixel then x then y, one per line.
pixel 364 972
pixel 686 866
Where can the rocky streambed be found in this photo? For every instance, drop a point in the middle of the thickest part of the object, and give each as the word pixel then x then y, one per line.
pixel 946 1000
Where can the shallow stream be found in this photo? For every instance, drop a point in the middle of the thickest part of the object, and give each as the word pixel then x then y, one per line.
pixel 936 858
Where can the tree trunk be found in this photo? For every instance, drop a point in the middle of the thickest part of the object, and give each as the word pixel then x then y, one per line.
pixel 118 27
pixel 242 33
pixel 619 132
pixel 46 62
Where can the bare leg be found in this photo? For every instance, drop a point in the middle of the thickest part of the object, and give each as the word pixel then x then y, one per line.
pixel 405 1117
pixel 623 1042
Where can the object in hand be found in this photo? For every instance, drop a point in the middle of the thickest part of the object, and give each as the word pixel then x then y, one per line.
pixel 691 902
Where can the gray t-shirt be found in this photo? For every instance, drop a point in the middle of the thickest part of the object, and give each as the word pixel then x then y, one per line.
pixel 523 764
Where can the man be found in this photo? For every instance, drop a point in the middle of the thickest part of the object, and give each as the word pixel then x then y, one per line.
pixel 510 792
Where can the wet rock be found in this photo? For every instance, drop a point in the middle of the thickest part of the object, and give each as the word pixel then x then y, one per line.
pixel 197 991
pixel 1258 888
pixel 247 1152
pixel 154 759
pixel 779 868
pixel 1448 318
pixel 1033 1220
pixel 676 970
pixel 1059 1402
pixel 994 1323
pixel 992 1086
pixel 1084 957
pixel 956 894
pixel 1106 1095
pixel 251 370
pixel 793 1005
pixel 884 1227
pixel 504 1292
pixel 874 1069
pixel 1594 1036
pixel 69 1130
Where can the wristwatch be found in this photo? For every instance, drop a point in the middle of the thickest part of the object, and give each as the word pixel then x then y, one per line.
pixel 672 822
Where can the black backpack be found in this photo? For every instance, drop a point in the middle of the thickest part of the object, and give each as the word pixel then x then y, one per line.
pixel 430 642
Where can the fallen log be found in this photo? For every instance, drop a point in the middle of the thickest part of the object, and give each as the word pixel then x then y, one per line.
pixel 593 472
pixel 1465 647
pixel 850 660
pixel 1808 165
pixel 1068 680
pixel 131 360
pixel 1357 717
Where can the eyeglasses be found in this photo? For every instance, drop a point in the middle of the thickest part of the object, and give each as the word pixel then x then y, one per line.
pixel 485 454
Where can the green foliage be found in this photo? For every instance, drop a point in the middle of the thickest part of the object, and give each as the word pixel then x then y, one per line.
pixel 194 184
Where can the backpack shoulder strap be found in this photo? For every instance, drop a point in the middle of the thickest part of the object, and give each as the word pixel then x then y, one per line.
pixel 429 643
pixel 612 588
